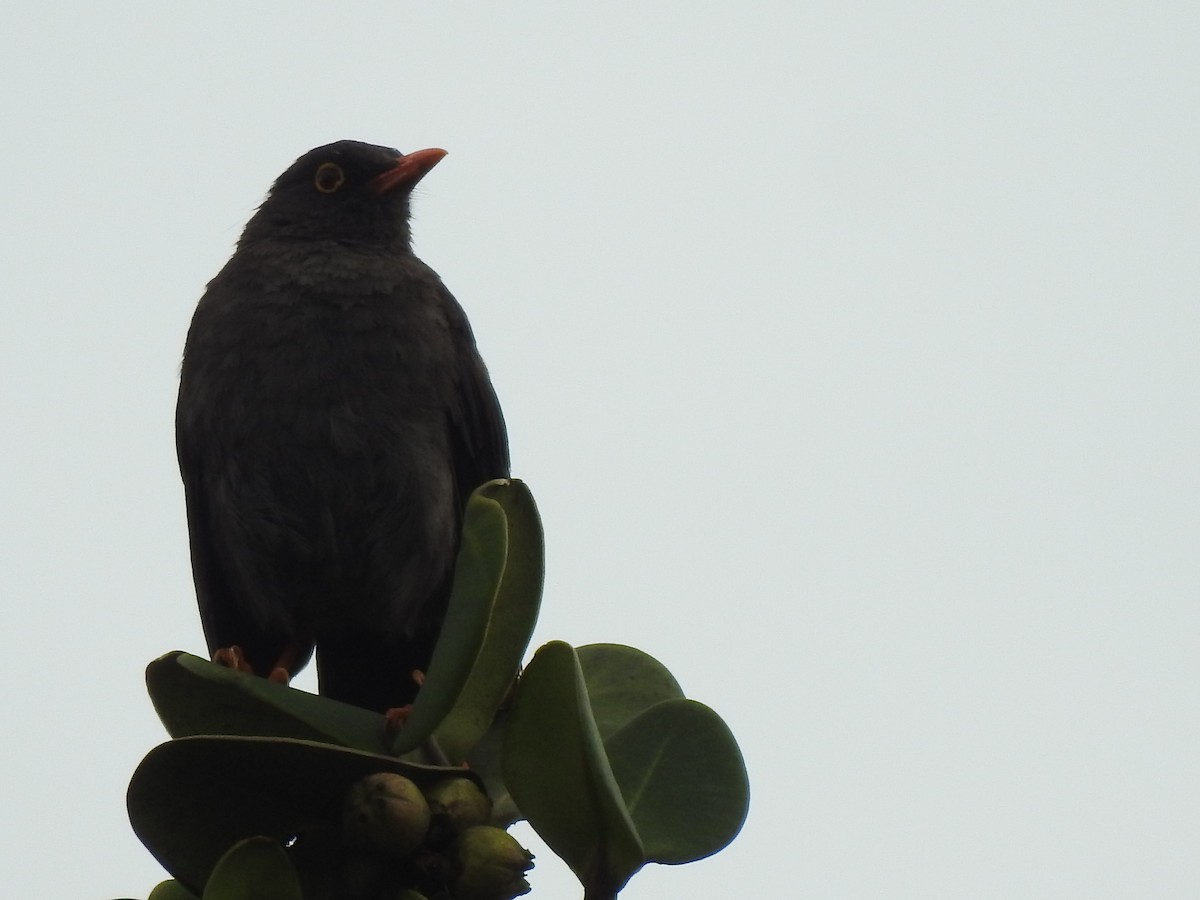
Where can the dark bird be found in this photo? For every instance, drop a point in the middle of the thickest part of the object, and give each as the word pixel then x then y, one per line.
pixel 333 417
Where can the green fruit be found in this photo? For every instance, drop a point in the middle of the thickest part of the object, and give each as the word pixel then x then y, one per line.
pixel 489 864
pixel 458 803
pixel 387 812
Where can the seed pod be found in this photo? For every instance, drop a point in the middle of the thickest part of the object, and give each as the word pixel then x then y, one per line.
pixel 387 812
pixel 489 864
pixel 457 804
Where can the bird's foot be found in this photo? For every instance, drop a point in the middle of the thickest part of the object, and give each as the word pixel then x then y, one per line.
pixel 397 717
pixel 232 658
pixel 235 658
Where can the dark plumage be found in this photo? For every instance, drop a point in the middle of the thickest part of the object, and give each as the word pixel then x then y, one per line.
pixel 333 417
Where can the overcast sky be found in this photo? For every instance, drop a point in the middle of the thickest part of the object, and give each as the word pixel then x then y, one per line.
pixel 850 351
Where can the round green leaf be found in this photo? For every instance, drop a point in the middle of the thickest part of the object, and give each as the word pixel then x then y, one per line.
pixel 556 770
pixel 485 762
pixel 253 869
pixel 477 575
pixel 683 779
pixel 193 798
pixel 508 631
pixel 622 682
pixel 194 696
pixel 171 890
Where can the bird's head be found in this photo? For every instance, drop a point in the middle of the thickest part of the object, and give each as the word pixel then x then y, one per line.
pixel 349 192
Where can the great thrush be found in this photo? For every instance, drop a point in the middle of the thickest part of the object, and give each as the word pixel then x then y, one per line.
pixel 333 417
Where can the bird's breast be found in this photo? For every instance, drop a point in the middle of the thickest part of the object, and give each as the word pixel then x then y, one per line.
pixel 325 427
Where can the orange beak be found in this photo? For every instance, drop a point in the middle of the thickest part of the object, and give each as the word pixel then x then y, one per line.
pixel 409 169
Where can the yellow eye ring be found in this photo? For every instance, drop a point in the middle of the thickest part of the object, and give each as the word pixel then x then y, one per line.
pixel 329 178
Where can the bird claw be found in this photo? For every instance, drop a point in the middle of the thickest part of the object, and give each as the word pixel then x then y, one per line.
pixel 397 717
pixel 233 658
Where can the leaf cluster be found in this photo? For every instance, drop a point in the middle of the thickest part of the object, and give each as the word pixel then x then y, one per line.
pixel 595 746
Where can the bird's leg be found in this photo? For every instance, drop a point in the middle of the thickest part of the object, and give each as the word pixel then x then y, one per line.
pixel 286 664
pixel 281 673
pixel 397 716
pixel 232 658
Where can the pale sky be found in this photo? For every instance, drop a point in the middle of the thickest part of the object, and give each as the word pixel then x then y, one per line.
pixel 850 351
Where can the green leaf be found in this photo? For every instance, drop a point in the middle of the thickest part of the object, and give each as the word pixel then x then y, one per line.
pixel 683 779
pixel 191 799
pixel 509 629
pixel 623 682
pixel 254 869
pixel 485 762
pixel 194 696
pixel 477 575
pixel 171 890
pixel 558 774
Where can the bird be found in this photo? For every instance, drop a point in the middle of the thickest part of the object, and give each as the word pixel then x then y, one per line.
pixel 333 417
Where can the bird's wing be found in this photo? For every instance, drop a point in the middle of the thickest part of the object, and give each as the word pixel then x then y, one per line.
pixel 213 592
pixel 479 440
pixel 225 615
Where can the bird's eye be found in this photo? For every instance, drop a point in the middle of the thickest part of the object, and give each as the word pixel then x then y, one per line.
pixel 329 178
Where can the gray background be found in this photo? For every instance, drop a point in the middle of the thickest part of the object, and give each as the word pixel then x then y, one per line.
pixel 849 350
